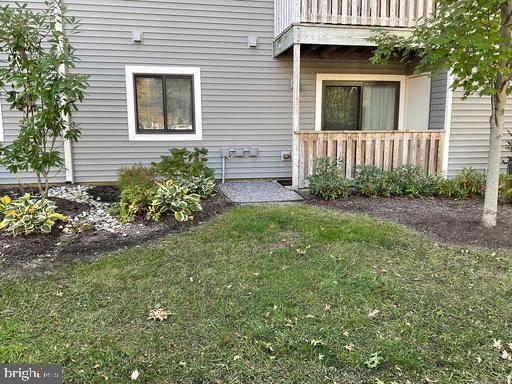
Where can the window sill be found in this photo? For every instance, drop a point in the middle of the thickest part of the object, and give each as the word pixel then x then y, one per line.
pixel 165 137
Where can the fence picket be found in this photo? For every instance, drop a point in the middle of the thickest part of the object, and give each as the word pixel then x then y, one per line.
pixel 386 150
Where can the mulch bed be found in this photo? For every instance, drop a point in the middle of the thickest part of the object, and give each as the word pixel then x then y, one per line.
pixel 447 220
pixel 39 253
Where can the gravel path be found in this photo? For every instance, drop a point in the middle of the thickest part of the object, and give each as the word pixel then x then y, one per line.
pixel 258 192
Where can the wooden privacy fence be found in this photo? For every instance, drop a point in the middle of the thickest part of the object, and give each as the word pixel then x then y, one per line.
pixel 385 13
pixel 386 150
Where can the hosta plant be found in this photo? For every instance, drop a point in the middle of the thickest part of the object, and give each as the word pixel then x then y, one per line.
pixel 27 215
pixel 175 198
pixel 203 185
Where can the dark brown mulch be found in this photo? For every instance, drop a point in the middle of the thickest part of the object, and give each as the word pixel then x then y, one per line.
pixel 39 253
pixel 447 220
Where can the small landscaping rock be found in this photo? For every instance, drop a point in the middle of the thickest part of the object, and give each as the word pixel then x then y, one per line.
pixel 98 216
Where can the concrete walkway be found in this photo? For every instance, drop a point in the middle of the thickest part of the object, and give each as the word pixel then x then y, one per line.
pixel 258 192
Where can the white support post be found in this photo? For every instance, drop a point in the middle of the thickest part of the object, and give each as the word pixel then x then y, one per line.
pixel 68 147
pixel 447 123
pixel 296 114
pixel 297 12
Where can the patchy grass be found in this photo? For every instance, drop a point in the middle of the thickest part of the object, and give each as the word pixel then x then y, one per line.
pixel 278 294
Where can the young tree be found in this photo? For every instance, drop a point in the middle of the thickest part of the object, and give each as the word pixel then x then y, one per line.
pixel 472 39
pixel 33 77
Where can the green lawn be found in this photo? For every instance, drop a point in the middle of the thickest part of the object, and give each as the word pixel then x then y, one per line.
pixel 270 295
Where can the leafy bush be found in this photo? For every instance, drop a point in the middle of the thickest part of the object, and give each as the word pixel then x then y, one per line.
pixel 328 181
pixel 135 202
pixel 137 176
pixel 506 188
pixel 368 180
pixel 182 163
pixel 188 168
pixel 172 197
pixel 508 162
pixel 27 215
pixel 409 180
pixel 406 180
pixel 469 183
pixel 161 198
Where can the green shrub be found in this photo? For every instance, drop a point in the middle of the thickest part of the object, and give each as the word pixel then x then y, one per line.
pixel 471 182
pixel 27 215
pixel 182 163
pixel 328 181
pixel 188 168
pixel 406 180
pixel 369 180
pixel 508 162
pixel 468 183
pixel 161 198
pixel 175 198
pixel 137 176
pixel 506 188
pixel 409 180
pixel 135 202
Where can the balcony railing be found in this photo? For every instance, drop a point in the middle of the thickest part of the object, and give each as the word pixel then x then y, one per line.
pixel 384 13
pixel 386 150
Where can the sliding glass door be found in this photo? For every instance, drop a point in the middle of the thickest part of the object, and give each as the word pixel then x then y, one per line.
pixel 367 106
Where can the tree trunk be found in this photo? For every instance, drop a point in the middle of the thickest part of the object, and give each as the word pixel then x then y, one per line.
pixel 493 170
pixel 497 123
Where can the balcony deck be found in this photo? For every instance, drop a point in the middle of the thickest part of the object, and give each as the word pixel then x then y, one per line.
pixel 343 22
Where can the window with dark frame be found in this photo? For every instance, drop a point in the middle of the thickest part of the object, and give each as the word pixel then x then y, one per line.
pixel 164 103
pixel 356 106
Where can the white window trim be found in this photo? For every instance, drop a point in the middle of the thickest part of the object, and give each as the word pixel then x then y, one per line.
pixel 132 70
pixel 321 77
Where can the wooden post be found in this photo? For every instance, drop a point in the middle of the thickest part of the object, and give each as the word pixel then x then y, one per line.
pixel 296 115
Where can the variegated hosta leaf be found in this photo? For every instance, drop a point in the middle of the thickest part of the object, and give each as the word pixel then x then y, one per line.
pixel 26 215
pixel 174 197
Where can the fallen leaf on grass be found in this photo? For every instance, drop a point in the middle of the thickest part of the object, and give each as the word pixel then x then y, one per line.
pixel 496 344
pixel 302 252
pixel 316 343
pixel 349 347
pixel 158 313
pixel 372 314
pixel 374 360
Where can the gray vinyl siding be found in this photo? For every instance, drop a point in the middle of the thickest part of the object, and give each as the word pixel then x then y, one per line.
pixel 246 95
pixel 10 120
pixel 437 115
pixel 469 134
